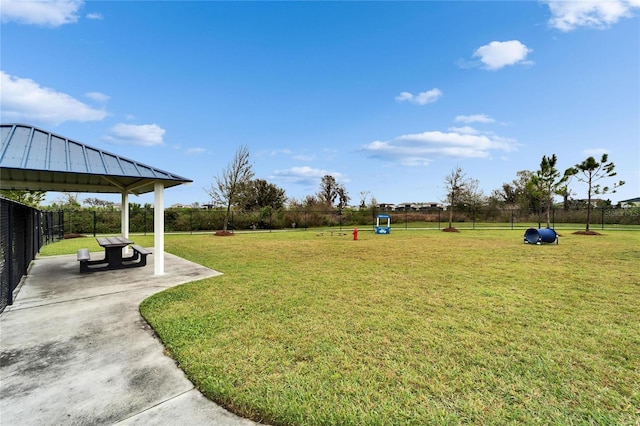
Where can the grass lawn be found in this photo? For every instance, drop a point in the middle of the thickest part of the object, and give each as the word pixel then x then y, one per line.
pixel 417 327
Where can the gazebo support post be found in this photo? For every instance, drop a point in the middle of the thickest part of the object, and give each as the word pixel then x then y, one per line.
pixel 158 229
pixel 124 216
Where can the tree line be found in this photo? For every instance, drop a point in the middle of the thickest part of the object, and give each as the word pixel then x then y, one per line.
pixel 235 188
pixel 531 190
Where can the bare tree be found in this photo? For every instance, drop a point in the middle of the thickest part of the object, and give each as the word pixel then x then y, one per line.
pixel 69 200
pixel 455 184
pixel 363 198
pixel 472 195
pixel 97 202
pixel 228 184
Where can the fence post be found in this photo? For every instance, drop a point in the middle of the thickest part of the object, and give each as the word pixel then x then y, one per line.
pixel 539 218
pixel 61 224
pixel 191 222
pixel 95 222
pixel 473 218
pixel 602 214
pixel 11 254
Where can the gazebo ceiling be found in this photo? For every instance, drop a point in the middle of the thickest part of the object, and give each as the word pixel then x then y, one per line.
pixel 37 160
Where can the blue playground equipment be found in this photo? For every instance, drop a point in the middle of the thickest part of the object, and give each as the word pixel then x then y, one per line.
pixel 540 236
pixel 383 229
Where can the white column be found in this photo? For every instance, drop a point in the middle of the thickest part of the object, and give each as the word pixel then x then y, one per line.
pixel 158 229
pixel 124 218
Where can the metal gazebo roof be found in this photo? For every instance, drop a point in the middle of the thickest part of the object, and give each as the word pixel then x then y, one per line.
pixel 37 160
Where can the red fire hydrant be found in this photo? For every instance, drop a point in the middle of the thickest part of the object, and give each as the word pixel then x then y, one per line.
pixel 355 234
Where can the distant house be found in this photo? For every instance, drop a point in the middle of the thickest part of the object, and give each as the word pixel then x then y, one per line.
pixel 411 207
pixel 631 202
pixel 582 203
pixel 430 206
pixel 386 207
pixel 404 207
pixel 179 206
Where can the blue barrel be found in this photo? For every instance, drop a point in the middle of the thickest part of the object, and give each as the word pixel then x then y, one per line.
pixel 539 236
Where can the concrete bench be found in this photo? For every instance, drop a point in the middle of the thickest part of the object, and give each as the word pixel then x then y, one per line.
pixel 84 257
pixel 142 252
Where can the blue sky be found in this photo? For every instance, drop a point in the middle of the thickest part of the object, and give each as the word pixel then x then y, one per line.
pixel 388 97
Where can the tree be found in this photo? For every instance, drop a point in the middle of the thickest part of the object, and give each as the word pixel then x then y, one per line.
pixel 68 201
pixel 343 197
pixel 548 182
pixel 228 184
pixel 590 172
pixel 310 202
pixel 330 190
pixel 97 202
pixel 259 193
pixel 363 198
pixel 472 195
pixel 454 185
pixel 519 194
pixel 328 193
pixel 30 198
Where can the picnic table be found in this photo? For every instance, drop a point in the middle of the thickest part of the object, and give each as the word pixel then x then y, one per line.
pixel 113 258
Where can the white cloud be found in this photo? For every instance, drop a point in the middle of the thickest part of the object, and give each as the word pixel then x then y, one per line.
pixel 284 151
pixel 95 16
pixel 304 175
pixel 466 130
pixel 423 148
pixel 423 98
pixel 142 135
pixel 477 118
pixel 98 97
pixel 52 13
pixel 195 151
pixel 499 54
pixel 22 99
pixel 569 15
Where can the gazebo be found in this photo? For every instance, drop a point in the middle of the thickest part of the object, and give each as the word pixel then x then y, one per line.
pixel 38 160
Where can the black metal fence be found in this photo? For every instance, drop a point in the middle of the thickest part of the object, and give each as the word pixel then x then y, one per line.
pixel 107 221
pixel 23 231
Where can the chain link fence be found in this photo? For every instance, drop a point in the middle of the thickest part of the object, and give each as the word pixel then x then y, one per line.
pixel 107 221
pixel 24 229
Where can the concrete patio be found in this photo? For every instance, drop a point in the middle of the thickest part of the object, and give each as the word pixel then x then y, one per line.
pixel 75 350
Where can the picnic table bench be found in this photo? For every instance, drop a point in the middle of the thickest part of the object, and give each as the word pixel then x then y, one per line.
pixel 113 255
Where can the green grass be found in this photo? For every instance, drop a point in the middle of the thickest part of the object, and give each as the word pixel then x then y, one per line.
pixel 419 327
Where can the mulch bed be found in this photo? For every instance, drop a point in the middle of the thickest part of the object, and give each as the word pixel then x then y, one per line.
pixel 450 230
pixel 224 234
pixel 69 236
pixel 586 233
